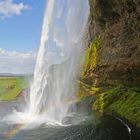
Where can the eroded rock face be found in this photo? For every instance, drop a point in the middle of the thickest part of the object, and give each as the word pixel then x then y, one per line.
pixel 117 23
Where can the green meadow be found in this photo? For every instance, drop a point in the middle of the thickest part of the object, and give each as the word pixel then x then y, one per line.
pixel 11 87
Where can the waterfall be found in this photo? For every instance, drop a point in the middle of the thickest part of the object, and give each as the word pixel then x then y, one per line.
pixel 58 61
pixel 40 73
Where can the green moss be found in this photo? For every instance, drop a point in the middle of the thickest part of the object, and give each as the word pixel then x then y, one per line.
pixel 86 90
pixel 100 103
pixel 122 101
pixel 91 56
pixel 10 88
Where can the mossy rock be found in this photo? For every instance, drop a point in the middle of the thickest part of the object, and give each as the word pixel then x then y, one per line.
pixel 91 56
pixel 122 101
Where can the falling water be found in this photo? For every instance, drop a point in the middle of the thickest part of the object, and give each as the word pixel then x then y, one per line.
pixel 40 74
pixel 63 28
pixel 57 64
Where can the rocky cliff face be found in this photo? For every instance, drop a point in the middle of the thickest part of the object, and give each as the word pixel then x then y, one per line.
pixel 113 56
pixel 111 70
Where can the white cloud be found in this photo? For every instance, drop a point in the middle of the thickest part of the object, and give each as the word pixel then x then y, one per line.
pixel 16 62
pixel 9 8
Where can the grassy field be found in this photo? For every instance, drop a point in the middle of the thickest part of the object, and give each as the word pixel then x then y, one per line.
pixel 11 87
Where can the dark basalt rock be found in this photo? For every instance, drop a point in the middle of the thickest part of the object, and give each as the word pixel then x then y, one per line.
pixel 117 23
pixel 112 59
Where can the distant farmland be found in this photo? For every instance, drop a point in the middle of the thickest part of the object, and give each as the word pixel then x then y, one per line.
pixel 11 87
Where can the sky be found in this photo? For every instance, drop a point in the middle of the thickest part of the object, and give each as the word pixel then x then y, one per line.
pixel 21 26
pixel 20 30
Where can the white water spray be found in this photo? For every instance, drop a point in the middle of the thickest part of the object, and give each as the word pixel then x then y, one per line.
pixel 57 62
pixel 40 73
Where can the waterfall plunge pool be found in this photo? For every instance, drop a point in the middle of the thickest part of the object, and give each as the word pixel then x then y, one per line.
pixel 94 127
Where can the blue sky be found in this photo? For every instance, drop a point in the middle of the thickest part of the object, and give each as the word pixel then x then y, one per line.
pixel 22 32
pixel 21 25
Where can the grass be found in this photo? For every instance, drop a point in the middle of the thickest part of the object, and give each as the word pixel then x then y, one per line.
pixel 11 87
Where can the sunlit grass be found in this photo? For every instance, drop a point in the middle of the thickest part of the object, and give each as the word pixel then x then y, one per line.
pixel 11 87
